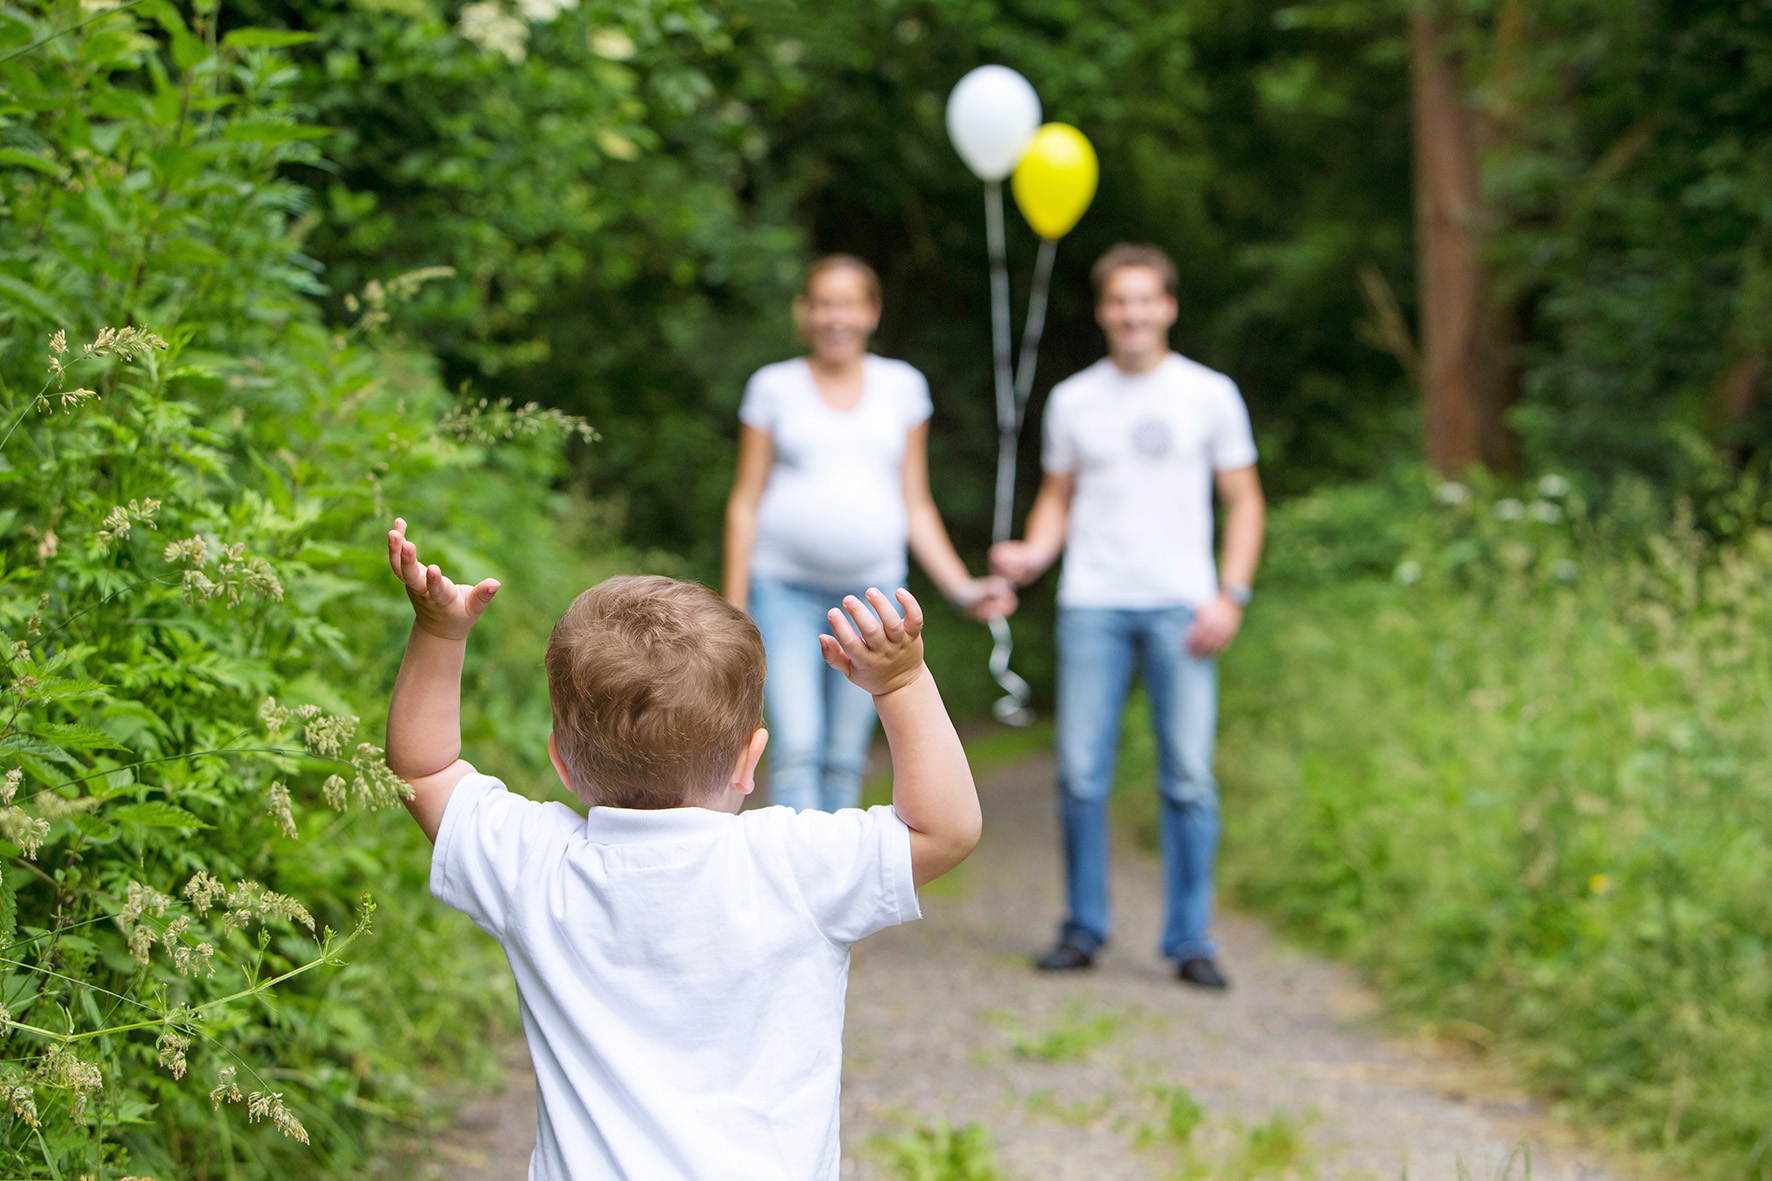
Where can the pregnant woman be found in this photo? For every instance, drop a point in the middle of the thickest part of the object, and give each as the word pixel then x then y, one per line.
pixel 832 485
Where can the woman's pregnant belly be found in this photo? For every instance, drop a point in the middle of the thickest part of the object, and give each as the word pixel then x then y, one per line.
pixel 832 529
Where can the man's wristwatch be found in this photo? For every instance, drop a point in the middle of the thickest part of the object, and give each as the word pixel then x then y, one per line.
pixel 1237 593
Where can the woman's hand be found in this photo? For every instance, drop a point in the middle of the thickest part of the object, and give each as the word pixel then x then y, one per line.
pixel 987 598
pixel 880 654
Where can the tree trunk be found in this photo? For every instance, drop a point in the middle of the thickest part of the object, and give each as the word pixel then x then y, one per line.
pixel 1469 376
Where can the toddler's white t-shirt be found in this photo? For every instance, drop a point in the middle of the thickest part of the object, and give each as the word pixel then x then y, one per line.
pixel 1143 448
pixel 833 513
pixel 681 973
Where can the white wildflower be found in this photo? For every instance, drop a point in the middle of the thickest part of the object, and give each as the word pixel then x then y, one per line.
pixel 193 551
pixel 1553 486
pixel 543 11
pixel 617 146
pixel 1452 493
pixel 203 891
pixel 24 830
pixel 277 807
pixel 127 343
pixel 189 959
pixel 21 1098
pixel 327 734
pixel 62 1068
pixel 1544 512
pixel 612 44
pixel 9 787
pixel 1408 573
pixel 1509 510
pixel 227 1090
pixel 487 25
pixel 269 1105
pixel 172 1049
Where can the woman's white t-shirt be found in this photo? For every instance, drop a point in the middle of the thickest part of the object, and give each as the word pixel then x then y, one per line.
pixel 833 512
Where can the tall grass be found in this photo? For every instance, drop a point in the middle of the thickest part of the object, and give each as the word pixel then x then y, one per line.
pixel 1522 781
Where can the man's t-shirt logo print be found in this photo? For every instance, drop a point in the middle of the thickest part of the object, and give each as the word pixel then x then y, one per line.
pixel 1150 438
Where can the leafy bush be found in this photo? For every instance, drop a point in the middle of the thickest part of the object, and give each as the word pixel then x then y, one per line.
pixel 1522 782
pixel 196 612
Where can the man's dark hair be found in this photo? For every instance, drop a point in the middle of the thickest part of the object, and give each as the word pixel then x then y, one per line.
pixel 1129 254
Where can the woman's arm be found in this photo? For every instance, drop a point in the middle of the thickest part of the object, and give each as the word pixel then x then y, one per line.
pixel 756 452
pixel 929 541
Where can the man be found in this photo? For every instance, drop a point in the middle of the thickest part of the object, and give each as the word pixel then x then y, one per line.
pixel 1134 447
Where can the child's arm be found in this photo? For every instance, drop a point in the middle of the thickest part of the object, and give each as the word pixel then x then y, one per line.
pixel 932 789
pixel 424 717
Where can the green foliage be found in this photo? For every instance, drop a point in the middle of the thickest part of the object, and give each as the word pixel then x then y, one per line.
pixel 640 286
pixel 196 612
pixel 1076 1034
pixel 1520 781
pixel 940 1153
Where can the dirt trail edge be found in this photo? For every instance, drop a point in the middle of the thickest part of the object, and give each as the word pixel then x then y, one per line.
pixel 1120 1072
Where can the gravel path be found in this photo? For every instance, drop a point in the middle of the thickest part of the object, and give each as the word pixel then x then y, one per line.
pixel 1121 1072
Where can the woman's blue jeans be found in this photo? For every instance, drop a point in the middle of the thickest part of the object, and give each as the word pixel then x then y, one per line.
pixel 820 724
pixel 1098 649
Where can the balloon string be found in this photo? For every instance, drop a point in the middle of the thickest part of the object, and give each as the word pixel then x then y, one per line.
pixel 1036 326
pixel 1011 709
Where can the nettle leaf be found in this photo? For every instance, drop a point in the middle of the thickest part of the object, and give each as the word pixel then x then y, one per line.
pixel 69 690
pixel 14 158
pixel 27 296
pixel 156 814
pixel 8 912
pixel 273 133
pixel 265 38
pixel 39 770
pixel 23 744
pixel 72 734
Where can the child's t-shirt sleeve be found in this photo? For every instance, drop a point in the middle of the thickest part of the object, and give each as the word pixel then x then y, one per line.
pixel 490 843
pixel 853 869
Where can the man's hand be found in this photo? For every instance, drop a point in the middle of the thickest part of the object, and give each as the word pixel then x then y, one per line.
pixel 1215 626
pixel 1017 561
pixel 442 608
pixel 880 654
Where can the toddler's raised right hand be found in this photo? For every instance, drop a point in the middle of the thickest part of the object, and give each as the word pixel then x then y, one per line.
pixel 878 650
pixel 443 609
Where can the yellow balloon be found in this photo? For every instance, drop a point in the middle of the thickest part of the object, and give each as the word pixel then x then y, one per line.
pixel 1055 180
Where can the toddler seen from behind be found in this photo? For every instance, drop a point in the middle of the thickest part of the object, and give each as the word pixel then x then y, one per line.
pixel 681 967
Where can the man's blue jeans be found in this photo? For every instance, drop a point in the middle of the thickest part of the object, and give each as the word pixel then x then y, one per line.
pixel 820 724
pixel 1098 648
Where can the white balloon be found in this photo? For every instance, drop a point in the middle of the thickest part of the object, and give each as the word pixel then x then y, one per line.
pixel 993 114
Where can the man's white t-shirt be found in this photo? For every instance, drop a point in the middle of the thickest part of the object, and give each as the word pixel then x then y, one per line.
pixel 833 512
pixel 681 973
pixel 1143 448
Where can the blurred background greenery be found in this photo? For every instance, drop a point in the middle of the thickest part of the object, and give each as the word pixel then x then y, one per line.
pixel 1495 733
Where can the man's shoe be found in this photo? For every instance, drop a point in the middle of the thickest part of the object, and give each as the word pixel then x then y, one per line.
pixel 1065 957
pixel 1202 973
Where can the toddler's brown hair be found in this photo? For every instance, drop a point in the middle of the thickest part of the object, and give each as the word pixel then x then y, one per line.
pixel 656 686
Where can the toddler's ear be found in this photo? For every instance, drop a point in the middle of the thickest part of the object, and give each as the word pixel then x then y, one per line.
pixel 559 764
pixel 744 771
